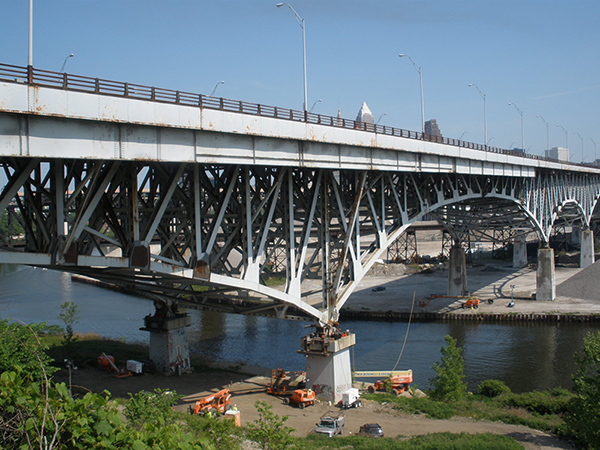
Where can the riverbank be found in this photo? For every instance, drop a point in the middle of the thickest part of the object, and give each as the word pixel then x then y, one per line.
pixel 494 283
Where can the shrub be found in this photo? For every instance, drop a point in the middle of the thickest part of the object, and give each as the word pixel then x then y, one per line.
pixel 492 388
pixel 539 402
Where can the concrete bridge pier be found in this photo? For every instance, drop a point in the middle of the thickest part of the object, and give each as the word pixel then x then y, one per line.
pixel 546 290
pixel 587 255
pixel 520 252
pixel 457 273
pixel 169 349
pixel 328 364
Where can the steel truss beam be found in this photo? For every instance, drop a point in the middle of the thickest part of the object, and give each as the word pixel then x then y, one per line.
pixel 284 242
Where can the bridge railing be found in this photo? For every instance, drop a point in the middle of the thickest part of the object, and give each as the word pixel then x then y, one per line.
pixel 45 78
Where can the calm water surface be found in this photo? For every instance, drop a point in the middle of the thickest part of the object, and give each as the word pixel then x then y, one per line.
pixel 526 356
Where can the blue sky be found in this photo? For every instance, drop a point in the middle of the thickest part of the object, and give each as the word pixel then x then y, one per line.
pixel 541 55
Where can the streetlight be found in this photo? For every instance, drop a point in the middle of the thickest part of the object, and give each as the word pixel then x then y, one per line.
pixel 566 136
pixel 489 140
pixel 484 112
pixel 418 68
pixel 30 57
pixel 313 106
pixel 384 114
pixel 582 157
pixel 461 136
pixel 300 21
pixel 522 129
pixel 594 149
pixel 547 134
pixel 212 94
pixel 62 69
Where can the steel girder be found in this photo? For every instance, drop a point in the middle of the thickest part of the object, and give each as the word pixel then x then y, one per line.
pixel 285 242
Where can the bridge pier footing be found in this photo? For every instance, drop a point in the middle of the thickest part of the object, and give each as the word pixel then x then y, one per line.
pixel 546 290
pixel 587 257
pixel 519 252
pixel 169 349
pixel 328 364
pixel 457 273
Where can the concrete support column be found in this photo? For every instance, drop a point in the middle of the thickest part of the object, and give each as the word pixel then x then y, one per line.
pixel 330 373
pixel 587 257
pixel 546 290
pixel 457 273
pixel 169 349
pixel 519 252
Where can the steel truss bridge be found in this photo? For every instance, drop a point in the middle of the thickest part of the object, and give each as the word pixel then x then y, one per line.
pixel 239 207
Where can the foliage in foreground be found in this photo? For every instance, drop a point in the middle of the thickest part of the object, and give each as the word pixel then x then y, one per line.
pixel 436 441
pixel 20 346
pixel 583 419
pixel 269 430
pixel 42 415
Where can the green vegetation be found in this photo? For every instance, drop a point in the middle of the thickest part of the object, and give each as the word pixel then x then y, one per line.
pixel 448 384
pixel 436 441
pixel 36 412
pixel 583 418
pixel 269 430
pixel 69 314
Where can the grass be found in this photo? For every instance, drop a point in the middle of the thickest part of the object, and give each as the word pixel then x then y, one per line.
pixel 542 410
pixel 436 441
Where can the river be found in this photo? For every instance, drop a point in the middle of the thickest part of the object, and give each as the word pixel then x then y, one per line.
pixel 525 355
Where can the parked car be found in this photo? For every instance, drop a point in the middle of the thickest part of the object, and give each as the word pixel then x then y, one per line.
pixel 371 429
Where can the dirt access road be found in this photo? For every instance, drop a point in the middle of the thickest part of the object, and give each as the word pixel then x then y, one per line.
pixel 247 389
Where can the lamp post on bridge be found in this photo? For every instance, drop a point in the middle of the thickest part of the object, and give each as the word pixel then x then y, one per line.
pixel 566 136
pixel 418 68
pixel 547 134
pixel 62 69
pixel 212 94
pixel 522 128
pixel 300 21
pixel 484 112
pixel 594 149
pixel 30 54
pixel 582 156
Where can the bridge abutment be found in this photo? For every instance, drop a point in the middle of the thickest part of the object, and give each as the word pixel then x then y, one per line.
pixel 587 256
pixel 328 364
pixel 169 349
pixel 520 252
pixel 457 273
pixel 546 290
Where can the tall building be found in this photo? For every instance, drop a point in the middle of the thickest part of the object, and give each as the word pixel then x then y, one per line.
pixel 365 114
pixel 432 128
pixel 560 153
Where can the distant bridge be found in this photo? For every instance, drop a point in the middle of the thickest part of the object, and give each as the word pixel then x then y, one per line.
pixel 191 198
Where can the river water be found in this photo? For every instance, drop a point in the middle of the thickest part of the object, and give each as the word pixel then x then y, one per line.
pixel 526 356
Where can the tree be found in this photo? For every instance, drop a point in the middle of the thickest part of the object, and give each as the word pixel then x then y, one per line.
pixel 269 429
pixel 70 316
pixel 583 418
pixel 448 384
pixel 21 347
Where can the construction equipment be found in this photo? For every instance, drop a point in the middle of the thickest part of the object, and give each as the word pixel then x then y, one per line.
pixel 217 403
pixel 471 302
pixel 107 363
pixel 285 383
pixel 302 398
pixel 351 399
pixel 396 380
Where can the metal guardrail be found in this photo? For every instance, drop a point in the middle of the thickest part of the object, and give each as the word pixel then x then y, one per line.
pixel 36 77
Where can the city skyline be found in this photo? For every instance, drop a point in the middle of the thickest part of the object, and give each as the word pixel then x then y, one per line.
pixel 540 56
